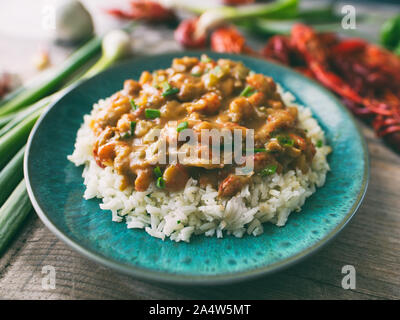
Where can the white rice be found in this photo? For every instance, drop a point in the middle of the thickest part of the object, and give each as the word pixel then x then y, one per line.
pixel 197 210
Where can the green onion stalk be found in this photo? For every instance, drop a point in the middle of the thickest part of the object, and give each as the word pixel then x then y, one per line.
pixel 322 20
pixel 40 88
pixel 11 175
pixel 115 46
pixel 17 117
pixel 112 49
pixel 7 118
pixel 281 9
pixel 13 213
pixel 390 34
pixel 14 139
pixel 277 17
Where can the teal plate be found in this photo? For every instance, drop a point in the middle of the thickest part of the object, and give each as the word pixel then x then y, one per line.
pixel 56 187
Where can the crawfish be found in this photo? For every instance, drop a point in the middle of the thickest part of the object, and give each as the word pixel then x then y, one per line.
pixel 229 39
pixel 184 34
pixel 144 10
pixel 366 77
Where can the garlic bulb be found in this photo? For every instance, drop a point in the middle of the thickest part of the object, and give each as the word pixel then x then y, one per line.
pixel 73 22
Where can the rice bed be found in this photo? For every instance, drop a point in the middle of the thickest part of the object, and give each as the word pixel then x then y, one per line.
pixel 197 210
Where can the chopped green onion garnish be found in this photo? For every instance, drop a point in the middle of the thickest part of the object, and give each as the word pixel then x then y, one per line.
pixel 217 69
pixel 125 135
pixel 182 126
pixel 133 104
pixel 256 150
pixel 205 59
pixel 219 72
pixel 271 169
pixel 168 90
pixel 178 222
pixel 319 143
pixel 160 183
pixel 286 141
pixel 247 92
pixel 133 126
pixel 157 172
pixel 196 74
pixel 165 85
pixel 152 113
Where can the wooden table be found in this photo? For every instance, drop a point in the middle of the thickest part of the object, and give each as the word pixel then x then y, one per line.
pixel 370 243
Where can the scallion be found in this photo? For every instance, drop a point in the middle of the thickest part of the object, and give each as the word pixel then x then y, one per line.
pixel 4 120
pixel 205 59
pixel 182 126
pixel 285 141
pixel 133 126
pixel 12 213
pixel 133 104
pixel 152 113
pixel 260 150
pixel 11 175
pixel 22 114
pixel 214 17
pixel 130 133
pixel 47 84
pixel 14 139
pixel 160 183
pixel 271 169
pixel 169 90
pixel 247 92
pixel 125 135
pixel 157 172
pixel 116 45
pixel 17 206
pixel 217 70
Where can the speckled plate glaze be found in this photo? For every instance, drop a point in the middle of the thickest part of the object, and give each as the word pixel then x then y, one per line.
pixel 56 187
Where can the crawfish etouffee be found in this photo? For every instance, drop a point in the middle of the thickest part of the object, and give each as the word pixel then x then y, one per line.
pixel 147 155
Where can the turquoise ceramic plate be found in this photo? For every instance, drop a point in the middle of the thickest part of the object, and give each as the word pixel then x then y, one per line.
pixel 56 187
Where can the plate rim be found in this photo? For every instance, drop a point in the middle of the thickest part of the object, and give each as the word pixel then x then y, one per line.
pixel 182 279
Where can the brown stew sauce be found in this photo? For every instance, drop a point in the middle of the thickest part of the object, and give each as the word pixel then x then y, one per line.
pixel 199 94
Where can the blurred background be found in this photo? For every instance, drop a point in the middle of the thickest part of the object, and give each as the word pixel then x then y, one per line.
pixel 23 34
